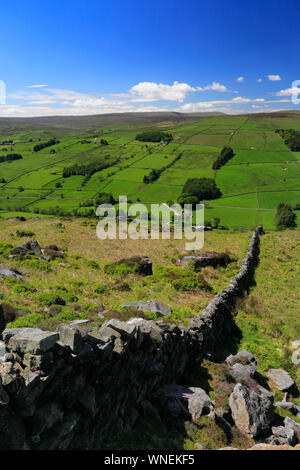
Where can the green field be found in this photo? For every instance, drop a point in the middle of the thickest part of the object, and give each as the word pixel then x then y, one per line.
pixel 263 172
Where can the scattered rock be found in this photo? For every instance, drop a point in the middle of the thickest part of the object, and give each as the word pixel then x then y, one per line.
pixel 22 250
pixel 280 379
pixel 18 218
pixel 177 402
pixel 149 306
pixel 210 258
pixel 288 405
pixel 53 252
pixel 251 412
pixel 11 273
pixel 273 447
pixel 296 357
pixel 282 435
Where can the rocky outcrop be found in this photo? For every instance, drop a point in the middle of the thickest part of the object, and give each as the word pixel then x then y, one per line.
pixel 252 412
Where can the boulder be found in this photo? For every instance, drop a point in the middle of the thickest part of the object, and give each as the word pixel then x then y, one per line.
pixel 280 379
pixel 290 406
pixel 210 258
pixel 283 435
pixel 176 401
pixel 296 357
pixel 53 252
pixel 5 272
pixel 242 357
pixel 290 423
pixel 31 245
pixel 149 306
pixel 252 412
pixel 32 340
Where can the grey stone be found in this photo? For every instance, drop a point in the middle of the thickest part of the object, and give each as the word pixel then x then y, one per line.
pixel 251 412
pixel 281 379
pixel 31 245
pixel 2 352
pixel 290 423
pixel 149 306
pixel 296 357
pixel 288 405
pixel 283 435
pixel 241 372
pixel 242 357
pixel 73 334
pixel 30 340
pixel 189 403
pixel 124 328
pixel 11 273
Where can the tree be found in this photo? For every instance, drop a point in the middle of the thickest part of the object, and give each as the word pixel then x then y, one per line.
pixel 201 188
pixel 285 217
pixel 104 198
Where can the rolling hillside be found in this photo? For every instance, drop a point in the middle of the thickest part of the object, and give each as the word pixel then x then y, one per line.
pixel 263 172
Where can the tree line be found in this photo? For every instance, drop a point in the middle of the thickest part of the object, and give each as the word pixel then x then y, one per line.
pixel 10 157
pixel 43 145
pixel 291 138
pixel 155 174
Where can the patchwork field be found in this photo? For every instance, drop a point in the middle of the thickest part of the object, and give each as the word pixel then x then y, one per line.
pixel 263 172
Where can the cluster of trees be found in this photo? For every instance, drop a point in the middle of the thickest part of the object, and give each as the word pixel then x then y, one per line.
pixel 104 198
pixel 291 138
pixel 43 145
pixel 155 174
pixel 10 157
pixel 154 136
pixel 199 189
pixel 87 170
pixel 226 154
pixel 285 217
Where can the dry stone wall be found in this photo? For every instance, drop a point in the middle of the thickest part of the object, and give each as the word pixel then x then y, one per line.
pixel 77 388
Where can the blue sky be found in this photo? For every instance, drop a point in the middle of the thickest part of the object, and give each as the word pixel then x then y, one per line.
pixel 88 57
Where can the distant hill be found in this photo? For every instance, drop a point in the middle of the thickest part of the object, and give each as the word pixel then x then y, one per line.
pixel 101 120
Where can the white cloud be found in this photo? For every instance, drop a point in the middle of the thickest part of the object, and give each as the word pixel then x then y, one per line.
pixel 151 91
pixel 288 92
pixel 274 78
pixel 36 86
pixel 215 86
pixel 260 80
pixel 240 79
